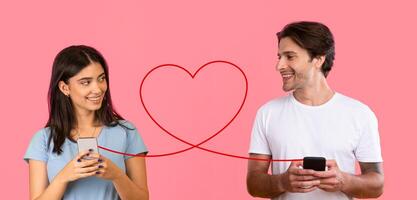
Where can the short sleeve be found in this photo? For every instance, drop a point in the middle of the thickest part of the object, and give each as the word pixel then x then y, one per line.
pixel 259 143
pixel 135 144
pixel 369 149
pixel 38 149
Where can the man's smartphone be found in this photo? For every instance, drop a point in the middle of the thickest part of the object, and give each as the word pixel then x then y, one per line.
pixel 314 163
pixel 87 143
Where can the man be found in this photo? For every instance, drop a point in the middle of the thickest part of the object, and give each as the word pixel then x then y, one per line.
pixel 313 120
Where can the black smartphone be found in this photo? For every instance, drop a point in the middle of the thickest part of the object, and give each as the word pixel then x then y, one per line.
pixel 314 163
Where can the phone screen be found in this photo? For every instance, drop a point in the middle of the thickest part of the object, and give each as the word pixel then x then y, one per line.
pixel 314 163
pixel 86 143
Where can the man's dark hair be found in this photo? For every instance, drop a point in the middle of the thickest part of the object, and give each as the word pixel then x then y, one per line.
pixel 315 37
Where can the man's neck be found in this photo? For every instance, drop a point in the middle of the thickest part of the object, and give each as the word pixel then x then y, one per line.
pixel 314 94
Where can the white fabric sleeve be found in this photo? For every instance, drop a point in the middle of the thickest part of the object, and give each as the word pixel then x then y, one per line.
pixel 259 143
pixel 369 148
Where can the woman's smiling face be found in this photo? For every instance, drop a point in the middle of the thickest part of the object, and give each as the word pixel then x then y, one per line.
pixel 87 88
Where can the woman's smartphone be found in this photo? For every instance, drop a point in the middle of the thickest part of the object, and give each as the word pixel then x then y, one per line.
pixel 87 143
pixel 314 163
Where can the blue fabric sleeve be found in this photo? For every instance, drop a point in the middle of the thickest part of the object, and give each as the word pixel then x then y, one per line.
pixel 135 144
pixel 38 149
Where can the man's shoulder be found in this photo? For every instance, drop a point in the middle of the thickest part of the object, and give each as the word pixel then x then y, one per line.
pixel 353 105
pixel 274 104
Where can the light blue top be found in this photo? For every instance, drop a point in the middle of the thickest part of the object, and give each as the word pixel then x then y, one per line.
pixel 116 138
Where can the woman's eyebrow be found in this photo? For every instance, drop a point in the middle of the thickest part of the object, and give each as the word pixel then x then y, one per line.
pixel 85 78
pixel 90 78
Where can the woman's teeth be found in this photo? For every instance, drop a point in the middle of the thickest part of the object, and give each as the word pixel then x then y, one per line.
pixel 94 98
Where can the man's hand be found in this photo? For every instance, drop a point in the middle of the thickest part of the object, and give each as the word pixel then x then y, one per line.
pixel 333 179
pixel 299 180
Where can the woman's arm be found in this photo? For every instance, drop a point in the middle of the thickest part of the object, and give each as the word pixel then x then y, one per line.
pixel 38 181
pixel 133 185
pixel 40 188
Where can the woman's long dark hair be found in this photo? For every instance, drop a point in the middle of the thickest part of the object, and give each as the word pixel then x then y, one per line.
pixel 67 64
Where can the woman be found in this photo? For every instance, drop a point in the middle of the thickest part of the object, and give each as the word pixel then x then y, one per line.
pixel 80 106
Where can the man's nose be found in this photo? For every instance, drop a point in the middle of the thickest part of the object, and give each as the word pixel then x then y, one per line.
pixel 281 64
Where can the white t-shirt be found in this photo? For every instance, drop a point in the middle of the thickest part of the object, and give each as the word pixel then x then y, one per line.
pixel 342 129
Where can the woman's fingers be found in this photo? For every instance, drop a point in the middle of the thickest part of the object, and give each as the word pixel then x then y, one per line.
pixel 84 175
pixel 86 163
pixel 87 169
pixel 82 154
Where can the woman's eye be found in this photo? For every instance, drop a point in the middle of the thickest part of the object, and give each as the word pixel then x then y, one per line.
pixel 85 83
pixel 102 79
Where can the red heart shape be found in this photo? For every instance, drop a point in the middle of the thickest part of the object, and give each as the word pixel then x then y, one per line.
pixel 192 76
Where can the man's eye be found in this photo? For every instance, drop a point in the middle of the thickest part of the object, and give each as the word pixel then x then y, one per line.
pixel 290 57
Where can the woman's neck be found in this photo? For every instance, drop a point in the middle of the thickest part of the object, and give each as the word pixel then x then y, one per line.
pixel 85 119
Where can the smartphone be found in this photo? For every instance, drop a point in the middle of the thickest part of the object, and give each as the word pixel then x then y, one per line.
pixel 314 163
pixel 87 143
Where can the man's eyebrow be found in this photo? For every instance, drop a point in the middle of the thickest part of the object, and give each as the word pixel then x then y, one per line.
pixel 287 53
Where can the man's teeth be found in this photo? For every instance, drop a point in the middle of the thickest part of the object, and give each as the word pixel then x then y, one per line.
pixel 287 75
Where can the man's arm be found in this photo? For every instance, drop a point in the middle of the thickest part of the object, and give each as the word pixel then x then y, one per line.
pixel 261 184
pixel 369 184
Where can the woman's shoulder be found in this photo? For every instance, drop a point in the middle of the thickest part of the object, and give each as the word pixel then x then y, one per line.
pixel 121 126
pixel 126 124
pixel 42 134
pixel 38 146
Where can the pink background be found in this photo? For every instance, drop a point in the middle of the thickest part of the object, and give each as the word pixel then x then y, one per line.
pixel 375 63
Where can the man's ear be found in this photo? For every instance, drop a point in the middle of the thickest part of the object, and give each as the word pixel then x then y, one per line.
pixel 318 61
pixel 64 88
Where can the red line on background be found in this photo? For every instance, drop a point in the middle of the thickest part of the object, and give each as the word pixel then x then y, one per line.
pixel 204 141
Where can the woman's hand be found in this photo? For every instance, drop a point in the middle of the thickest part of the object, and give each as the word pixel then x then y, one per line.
pixel 79 167
pixel 108 170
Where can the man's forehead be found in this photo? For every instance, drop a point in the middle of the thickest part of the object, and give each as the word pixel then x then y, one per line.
pixel 288 46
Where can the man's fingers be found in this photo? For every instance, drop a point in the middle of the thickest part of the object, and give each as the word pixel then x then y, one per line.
pixel 305 184
pixel 331 163
pixel 304 178
pixel 325 174
pixel 302 172
pixel 329 181
pixel 326 187
pixel 296 164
